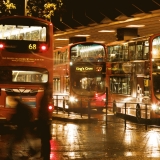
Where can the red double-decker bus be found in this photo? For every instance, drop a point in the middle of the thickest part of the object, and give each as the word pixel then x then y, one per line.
pixel 133 75
pixel 79 76
pixel 26 61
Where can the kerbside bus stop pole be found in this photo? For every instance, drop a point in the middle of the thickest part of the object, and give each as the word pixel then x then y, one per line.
pixel 106 103
pixel 21 7
pixel 25 6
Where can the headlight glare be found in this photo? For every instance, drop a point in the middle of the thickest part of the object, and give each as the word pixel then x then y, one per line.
pixel 72 99
pixel 104 99
pixel 154 107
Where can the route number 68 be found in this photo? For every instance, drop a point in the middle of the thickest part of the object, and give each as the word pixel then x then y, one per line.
pixel 32 46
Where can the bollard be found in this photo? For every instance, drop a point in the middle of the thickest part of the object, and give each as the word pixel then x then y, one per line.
pixel 125 116
pixel 63 105
pixel 106 103
pixel 106 113
pixel 81 107
pixel 68 110
pixel 146 116
pixel 57 103
pixel 89 116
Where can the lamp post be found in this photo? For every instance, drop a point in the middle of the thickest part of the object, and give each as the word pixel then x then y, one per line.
pixel 22 7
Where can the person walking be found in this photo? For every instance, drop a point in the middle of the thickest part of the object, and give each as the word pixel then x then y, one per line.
pixel 23 119
pixel 44 127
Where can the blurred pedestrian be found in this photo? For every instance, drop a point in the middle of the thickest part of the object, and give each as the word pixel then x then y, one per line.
pixel 23 119
pixel 44 127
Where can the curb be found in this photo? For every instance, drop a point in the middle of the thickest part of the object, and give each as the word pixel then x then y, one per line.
pixel 73 118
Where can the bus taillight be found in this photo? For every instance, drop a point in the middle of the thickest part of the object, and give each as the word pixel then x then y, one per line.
pixel 50 107
pixel 1 45
pixel 43 47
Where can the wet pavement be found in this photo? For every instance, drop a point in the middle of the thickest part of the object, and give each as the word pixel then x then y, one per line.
pixel 79 138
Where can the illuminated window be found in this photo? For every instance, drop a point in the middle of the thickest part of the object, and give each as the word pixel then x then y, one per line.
pixel 16 32
pixel 56 84
pixel 120 85
pixel 29 76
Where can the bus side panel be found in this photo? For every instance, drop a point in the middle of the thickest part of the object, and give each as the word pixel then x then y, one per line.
pixel 7 105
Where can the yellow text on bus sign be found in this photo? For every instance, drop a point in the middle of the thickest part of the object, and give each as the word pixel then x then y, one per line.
pixel 32 46
pixel 81 69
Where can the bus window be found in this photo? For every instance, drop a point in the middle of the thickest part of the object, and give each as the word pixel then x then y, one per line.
pixel 29 76
pixel 146 50
pixel 140 67
pixel 88 53
pixel 90 82
pixel 132 51
pixel 35 35
pixel 120 85
pixel 125 52
pixel 13 32
pixel 28 35
pixel 56 84
pixel 21 36
pixel 43 34
pixel 139 51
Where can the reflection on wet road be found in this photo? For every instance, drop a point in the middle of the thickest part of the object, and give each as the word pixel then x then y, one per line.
pixel 98 141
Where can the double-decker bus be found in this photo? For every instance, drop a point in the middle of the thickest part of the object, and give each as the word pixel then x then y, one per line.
pixel 79 76
pixel 26 61
pixel 133 76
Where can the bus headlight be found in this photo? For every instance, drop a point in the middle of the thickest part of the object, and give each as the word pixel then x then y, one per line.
pixel 73 99
pixel 104 99
pixel 154 107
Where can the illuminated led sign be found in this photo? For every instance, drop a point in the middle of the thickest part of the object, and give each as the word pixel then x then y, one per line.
pixel 32 46
pixel 83 69
pixel 88 68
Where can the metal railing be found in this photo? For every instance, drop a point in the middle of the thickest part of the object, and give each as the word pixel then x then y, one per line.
pixel 109 107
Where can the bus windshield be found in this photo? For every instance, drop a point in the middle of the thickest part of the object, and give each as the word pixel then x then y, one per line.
pixel 88 52
pixel 20 32
pixel 88 84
